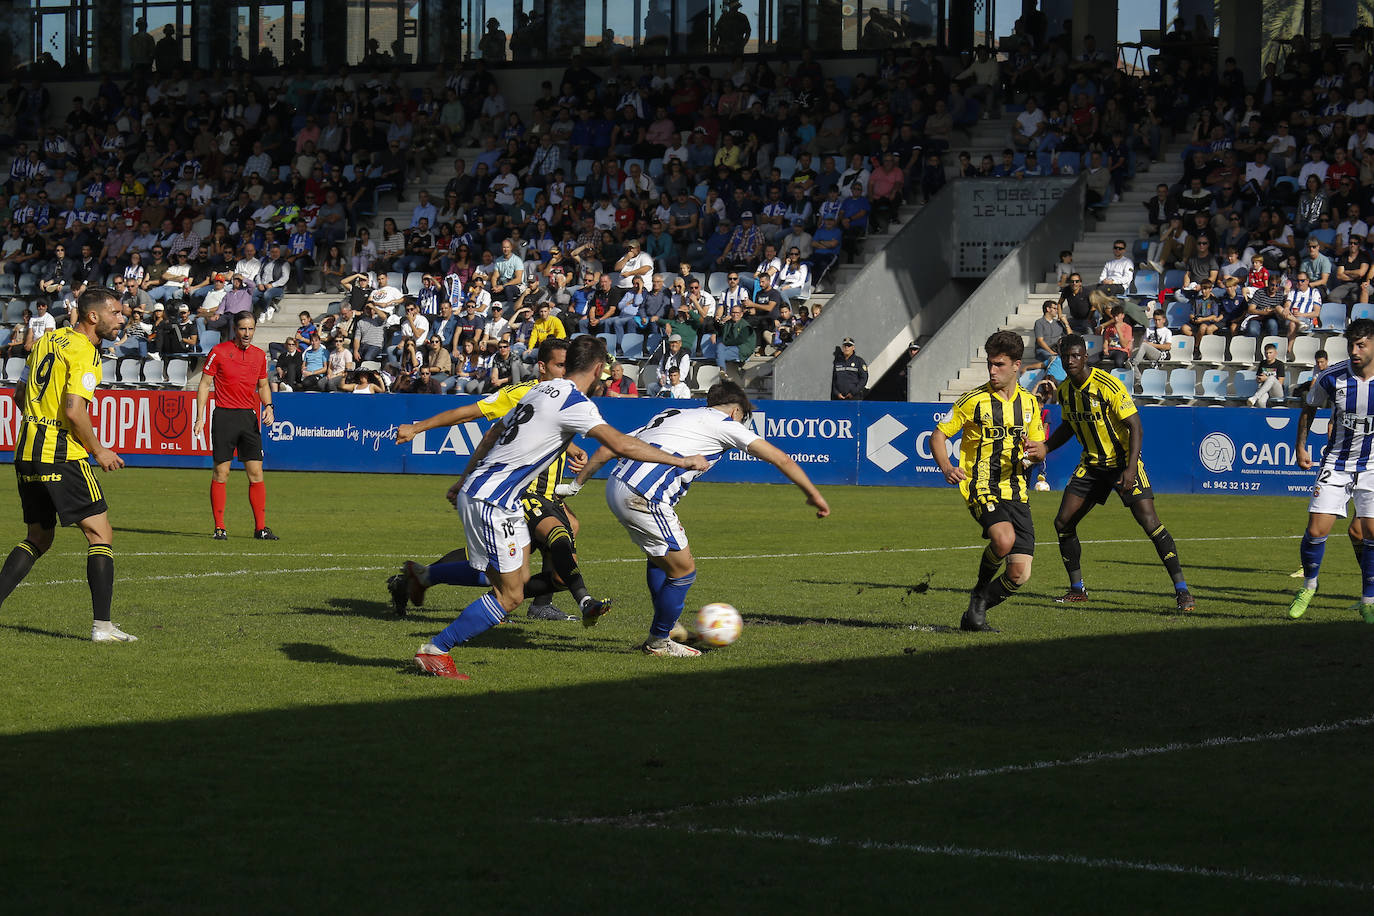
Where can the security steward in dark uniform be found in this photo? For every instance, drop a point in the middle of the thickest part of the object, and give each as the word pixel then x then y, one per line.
pixel 850 376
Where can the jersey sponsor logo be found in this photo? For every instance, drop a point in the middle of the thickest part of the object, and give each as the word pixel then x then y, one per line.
pixel 998 433
pixel 1217 452
pixel 1084 416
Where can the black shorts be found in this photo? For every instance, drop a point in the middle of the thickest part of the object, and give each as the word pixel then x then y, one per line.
pixel 537 508
pixel 1017 513
pixel 1096 484
pixel 235 430
pixel 66 492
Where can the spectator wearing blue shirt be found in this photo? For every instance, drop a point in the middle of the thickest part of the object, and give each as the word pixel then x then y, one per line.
pixel 300 248
pixel 424 210
pixel 826 245
pixel 629 315
pixel 446 325
pixel 314 365
pixel 854 218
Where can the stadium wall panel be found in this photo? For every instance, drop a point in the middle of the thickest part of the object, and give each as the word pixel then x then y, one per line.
pixel 874 443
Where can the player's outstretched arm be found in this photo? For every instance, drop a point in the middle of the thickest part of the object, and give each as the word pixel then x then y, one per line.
pixel 202 403
pixel 639 450
pixel 767 451
pixel 594 464
pixel 78 414
pixel 468 412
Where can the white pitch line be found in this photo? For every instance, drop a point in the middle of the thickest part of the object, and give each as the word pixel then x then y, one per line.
pixel 753 556
pixel 1014 855
pixel 120 580
pixel 1090 757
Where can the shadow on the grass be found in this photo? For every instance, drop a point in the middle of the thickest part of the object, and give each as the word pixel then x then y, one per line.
pixel 254 808
pixel 36 631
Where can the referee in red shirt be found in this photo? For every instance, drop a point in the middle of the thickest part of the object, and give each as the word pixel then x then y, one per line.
pixel 239 372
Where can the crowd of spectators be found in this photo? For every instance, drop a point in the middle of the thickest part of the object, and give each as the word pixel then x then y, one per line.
pixel 641 201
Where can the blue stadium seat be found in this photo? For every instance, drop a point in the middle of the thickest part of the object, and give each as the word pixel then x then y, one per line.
pixel 1326 236
pixel 208 340
pixel 530 194
pixel 1092 343
pixel 1126 377
pixel 1176 314
pixel 1152 382
pixel 1245 383
pixel 583 170
pixel 1333 317
pixel 1173 279
pixel 1146 284
pixel 1027 380
pixel 786 165
pixel 1182 383
pixel 1214 384
pixel 629 162
pixel 1068 163
pixel 1361 310
pixel 633 346
pixel 656 169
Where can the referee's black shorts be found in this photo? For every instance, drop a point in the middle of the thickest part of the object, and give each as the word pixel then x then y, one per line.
pixel 1004 510
pixel 235 430
pixel 66 492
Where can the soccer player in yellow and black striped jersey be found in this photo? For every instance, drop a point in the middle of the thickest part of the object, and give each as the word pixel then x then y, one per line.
pixel 1098 410
pixel 553 526
pixel 998 421
pixel 56 437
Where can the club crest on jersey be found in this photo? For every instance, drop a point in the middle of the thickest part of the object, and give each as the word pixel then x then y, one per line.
pixel 511 549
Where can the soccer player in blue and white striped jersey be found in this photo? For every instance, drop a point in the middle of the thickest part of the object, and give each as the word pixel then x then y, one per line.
pixel 1346 470
pixel 642 496
pixel 513 453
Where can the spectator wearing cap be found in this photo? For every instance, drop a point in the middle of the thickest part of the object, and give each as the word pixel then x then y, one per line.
pixel 745 244
pixel 634 263
pixel 826 246
pixel 675 357
pixel 1352 269
pixel 849 376
pixel 214 295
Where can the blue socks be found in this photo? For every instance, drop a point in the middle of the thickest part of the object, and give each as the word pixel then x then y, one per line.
pixel 478 617
pixel 1367 570
pixel 1311 552
pixel 669 595
pixel 456 573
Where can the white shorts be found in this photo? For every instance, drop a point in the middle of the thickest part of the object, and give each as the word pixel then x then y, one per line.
pixel 497 538
pixel 1334 489
pixel 654 526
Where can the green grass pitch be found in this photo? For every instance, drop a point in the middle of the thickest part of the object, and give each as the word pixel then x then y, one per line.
pixel 265 746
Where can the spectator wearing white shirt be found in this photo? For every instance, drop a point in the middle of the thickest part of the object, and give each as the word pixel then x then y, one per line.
pixel 40 324
pixel 1351 225
pixel 1304 306
pixel 1030 126
pixel 635 263
pixel 414 325
pixel 1315 166
pixel 1157 341
pixel 1118 272
pixel 1360 140
pixel 795 277
pixel 677 389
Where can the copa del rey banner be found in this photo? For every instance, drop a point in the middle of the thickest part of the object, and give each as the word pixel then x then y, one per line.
pixel 130 422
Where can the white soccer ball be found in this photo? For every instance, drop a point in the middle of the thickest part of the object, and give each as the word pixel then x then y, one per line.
pixel 718 625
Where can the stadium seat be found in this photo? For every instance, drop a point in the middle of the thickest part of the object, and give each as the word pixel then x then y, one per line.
pixel 647 373
pixel 706 375
pixel 334 308
pixel 786 165
pixel 350 172
pixel 1214 384
pixel 715 285
pixel 1092 343
pixel 629 162
pixel 413 283
pixel 13 366
pixel 209 340
pixel 609 341
pixel 1146 284
pixel 1068 162
pixel 1126 377
pixel 1245 383
pixel 1182 382
pixel 530 194
pixel 1277 340
pixel 1245 350
pixel 1182 349
pixel 177 371
pixel 1303 376
pixel 1152 382
pixel 632 346
pixel 203 228
pixel 14 310
pixel 1286 188
pixel 1176 314
pixel 580 192
pixel 583 170
pixel 5 334
pixel 1333 317
pixel 109 370
pixel 656 169
pixel 1173 279
pixel 1211 349
pixel 1361 310
pixel 1305 350
pixel 1027 380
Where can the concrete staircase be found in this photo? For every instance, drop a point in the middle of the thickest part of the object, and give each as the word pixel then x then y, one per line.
pixel 1122 220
